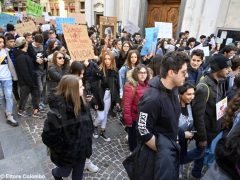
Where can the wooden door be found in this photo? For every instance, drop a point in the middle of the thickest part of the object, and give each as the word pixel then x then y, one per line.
pixel 163 11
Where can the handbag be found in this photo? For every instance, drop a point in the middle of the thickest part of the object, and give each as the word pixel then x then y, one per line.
pixel 138 163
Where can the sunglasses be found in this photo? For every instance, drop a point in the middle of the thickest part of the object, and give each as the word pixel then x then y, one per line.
pixel 60 57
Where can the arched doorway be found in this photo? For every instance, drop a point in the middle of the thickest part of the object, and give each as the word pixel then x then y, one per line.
pixel 163 11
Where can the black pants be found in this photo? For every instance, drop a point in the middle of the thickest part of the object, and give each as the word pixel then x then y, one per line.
pixel 24 93
pixel 77 171
pixel 15 90
pixel 132 136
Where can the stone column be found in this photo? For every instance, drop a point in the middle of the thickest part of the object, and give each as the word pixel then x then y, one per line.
pixel 109 8
pixel 89 12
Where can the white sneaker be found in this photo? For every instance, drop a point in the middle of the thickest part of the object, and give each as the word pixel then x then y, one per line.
pixel 11 121
pixel 90 166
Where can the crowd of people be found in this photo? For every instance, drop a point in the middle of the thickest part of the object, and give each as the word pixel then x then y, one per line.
pixel 167 98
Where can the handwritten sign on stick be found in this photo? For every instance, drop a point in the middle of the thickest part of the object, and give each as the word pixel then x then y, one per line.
pixel 26 27
pixel 78 42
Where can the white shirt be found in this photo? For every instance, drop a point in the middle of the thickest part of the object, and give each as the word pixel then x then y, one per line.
pixel 5 73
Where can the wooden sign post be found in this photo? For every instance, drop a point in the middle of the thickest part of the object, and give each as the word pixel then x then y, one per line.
pixel 108 26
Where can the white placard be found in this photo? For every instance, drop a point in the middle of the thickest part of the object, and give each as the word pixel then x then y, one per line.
pixel 224 35
pixel 45 27
pixel 206 51
pixel 131 28
pixel 221 107
pixel 229 40
pixel 165 29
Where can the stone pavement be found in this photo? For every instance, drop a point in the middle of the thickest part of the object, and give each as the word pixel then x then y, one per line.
pixel 23 153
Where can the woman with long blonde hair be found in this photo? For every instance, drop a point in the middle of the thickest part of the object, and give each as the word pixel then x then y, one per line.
pixel 106 92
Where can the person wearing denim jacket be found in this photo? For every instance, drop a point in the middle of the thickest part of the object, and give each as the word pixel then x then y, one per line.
pixel 132 61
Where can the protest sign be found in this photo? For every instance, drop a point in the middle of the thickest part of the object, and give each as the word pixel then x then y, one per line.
pixel 8 19
pixel 79 17
pixel 151 41
pixel 165 29
pixel 26 27
pixel 131 28
pixel 108 26
pixel 40 20
pixel 60 21
pixel 78 42
pixel 45 27
pixel 34 9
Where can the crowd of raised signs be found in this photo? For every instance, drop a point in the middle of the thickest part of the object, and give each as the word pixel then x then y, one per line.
pixel 117 78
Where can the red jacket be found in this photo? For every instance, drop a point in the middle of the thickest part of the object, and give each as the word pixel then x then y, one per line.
pixel 133 91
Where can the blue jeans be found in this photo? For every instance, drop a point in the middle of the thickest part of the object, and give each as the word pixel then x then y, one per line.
pixel 198 165
pixel 8 94
pixel 77 171
pixel 194 154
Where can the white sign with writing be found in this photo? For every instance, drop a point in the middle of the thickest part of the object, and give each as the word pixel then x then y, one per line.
pixel 165 29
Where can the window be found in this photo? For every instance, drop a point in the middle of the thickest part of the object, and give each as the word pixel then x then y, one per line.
pixel 82 5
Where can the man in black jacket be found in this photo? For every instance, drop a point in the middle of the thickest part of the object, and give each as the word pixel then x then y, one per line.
pixel 159 111
pixel 27 79
pixel 210 90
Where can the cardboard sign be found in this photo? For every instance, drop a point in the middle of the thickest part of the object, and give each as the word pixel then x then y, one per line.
pixel 34 9
pixel 131 28
pixel 221 107
pixel 8 19
pixel 78 42
pixel 151 41
pixel 60 21
pixel 26 27
pixel 79 17
pixel 108 26
pixel 165 29
pixel 40 20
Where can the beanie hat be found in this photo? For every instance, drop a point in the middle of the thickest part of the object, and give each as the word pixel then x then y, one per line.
pixel 10 27
pixel 219 62
pixel 20 41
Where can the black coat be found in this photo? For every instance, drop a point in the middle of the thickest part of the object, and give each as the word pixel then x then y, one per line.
pixel 159 111
pixel 204 109
pixel 25 69
pixel 55 76
pixel 69 138
pixel 98 88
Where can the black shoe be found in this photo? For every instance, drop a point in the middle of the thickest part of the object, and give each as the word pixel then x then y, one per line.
pixel 105 138
pixel 56 178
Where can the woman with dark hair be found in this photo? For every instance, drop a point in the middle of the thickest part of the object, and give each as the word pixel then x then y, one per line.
pixel 186 126
pixel 133 90
pixel 126 46
pixel 131 62
pixel 106 92
pixel 57 70
pixel 155 64
pixel 77 68
pixel 227 153
pixel 162 47
pixel 68 129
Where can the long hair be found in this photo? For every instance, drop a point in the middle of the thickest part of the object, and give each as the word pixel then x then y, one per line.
pixel 137 70
pixel 128 60
pixel 232 109
pixel 103 65
pixel 54 59
pixel 68 87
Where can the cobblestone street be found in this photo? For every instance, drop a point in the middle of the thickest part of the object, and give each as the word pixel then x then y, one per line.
pixel 28 146
pixel 108 156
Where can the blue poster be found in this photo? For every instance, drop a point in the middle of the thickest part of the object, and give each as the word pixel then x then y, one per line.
pixel 151 41
pixel 60 21
pixel 8 19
